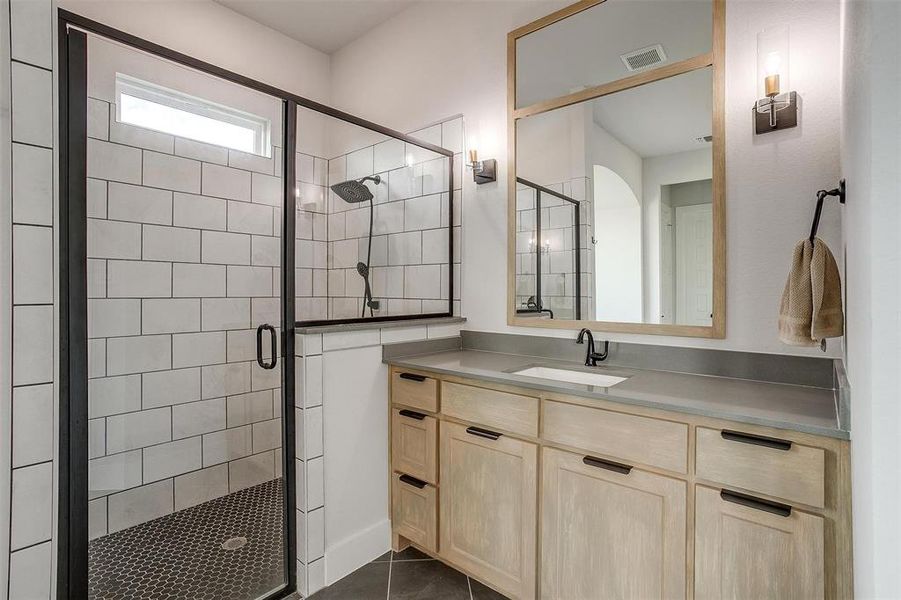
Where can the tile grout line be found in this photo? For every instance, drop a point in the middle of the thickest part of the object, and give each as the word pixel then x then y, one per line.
pixel 469 585
pixel 390 568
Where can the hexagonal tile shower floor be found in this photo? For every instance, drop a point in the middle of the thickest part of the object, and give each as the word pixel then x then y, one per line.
pixel 230 547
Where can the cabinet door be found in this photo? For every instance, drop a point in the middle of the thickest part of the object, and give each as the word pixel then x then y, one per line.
pixel 488 516
pixel 413 510
pixel 608 531
pixel 414 444
pixel 746 549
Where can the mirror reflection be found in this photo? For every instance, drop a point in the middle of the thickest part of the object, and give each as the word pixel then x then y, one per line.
pixel 614 206
pixel 607 42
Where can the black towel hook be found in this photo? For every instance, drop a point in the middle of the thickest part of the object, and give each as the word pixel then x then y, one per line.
pixel 838 192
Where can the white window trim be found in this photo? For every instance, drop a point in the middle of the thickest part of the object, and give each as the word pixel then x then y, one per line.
pixel 261 127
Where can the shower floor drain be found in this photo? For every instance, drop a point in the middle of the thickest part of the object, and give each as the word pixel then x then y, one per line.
pixel 234 543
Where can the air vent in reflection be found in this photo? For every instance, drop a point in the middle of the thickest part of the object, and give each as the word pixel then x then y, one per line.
pixel 705 139
pixel 638 60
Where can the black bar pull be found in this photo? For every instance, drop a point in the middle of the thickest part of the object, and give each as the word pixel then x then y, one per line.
pixel 783 510
pixel 273 343
pixel 485 433
pixel 412 414
pixel 412 481
pixel 600 463
pixel 413 377
pixel 756 440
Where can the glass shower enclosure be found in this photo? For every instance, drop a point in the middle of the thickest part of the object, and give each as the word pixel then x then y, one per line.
pixel 183 248
pixel 203 217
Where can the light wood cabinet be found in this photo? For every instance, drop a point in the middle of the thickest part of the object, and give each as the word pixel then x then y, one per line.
pixel 414 444
pixel 745 551
pixel 775 467
pixel 488 507
pixel 414 390
pixel 492 408
pixel 630 503
pixel 414 511
pixel 608 531
pixel 654 442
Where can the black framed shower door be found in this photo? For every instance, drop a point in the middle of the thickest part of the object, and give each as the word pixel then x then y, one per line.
pixel 72 564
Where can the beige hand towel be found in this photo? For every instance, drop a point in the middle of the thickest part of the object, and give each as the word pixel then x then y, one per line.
pixel 811 308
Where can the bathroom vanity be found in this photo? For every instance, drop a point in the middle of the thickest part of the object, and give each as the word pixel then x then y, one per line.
pixel 664 485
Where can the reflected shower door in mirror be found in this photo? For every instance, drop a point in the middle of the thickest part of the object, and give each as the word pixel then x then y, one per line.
pixel 614 206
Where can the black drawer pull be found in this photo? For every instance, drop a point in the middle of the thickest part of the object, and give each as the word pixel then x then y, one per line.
pixel 412 481
pixel 756 440
pixel 485 433
pixel 783 510
pixel 591 461
pixel 412 414
pixel 413 377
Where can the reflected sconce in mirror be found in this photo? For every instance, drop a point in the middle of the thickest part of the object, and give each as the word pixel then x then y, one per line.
pixel 483 171
pixel 545 248
pixel 777 109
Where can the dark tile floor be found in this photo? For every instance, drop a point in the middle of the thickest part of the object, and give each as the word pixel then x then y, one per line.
pixel 407 575
pixel 184 555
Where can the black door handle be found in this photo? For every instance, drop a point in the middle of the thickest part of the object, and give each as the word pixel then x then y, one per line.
pixel 411 414
pixel 609 465
pixel 484 433
pixel 412 481
pixel 274 344
pixel 776 508
pixel 412 377
pixel 755 440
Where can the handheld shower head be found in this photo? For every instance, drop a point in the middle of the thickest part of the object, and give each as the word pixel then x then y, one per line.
pixel 354 191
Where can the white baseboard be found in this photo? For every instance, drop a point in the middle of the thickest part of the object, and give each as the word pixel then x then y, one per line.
pixel 348 555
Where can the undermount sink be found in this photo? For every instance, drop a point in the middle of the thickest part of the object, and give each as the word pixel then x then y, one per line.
pixel 597 379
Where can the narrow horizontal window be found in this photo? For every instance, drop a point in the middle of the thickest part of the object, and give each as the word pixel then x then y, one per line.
pixel 154 107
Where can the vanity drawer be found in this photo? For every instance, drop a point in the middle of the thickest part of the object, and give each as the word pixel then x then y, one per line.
pixel 509 412
pixel 653 442
pixel 414 444
pixel 775 467
pixel 414 511
pixel 414 390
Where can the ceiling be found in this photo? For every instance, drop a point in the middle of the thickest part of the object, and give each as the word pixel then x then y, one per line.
pixel 584 50
pixel 327 25
pixel 660 118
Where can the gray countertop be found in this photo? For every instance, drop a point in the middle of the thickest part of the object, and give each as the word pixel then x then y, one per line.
pixel 794 407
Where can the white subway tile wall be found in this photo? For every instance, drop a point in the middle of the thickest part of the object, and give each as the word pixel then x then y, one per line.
pixel 183 236
pixel 410 229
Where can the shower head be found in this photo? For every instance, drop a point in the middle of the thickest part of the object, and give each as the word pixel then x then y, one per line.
pixel 353 191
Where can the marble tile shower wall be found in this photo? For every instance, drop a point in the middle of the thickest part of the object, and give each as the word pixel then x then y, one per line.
pixel 27 426
pixel 409 256
pixel 558 275
pixel 183 255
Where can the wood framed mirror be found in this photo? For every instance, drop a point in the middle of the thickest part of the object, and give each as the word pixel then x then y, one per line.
pixel 616 174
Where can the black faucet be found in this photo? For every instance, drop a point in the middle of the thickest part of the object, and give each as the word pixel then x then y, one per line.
pixel 592 357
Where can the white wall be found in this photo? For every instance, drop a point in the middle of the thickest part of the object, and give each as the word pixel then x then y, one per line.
pixel 218 35
pixel 442 58
pixel 871 160
pixel 616 229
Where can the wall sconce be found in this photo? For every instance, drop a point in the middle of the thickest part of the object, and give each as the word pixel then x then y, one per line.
pixel 483 171
pixel 777 109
